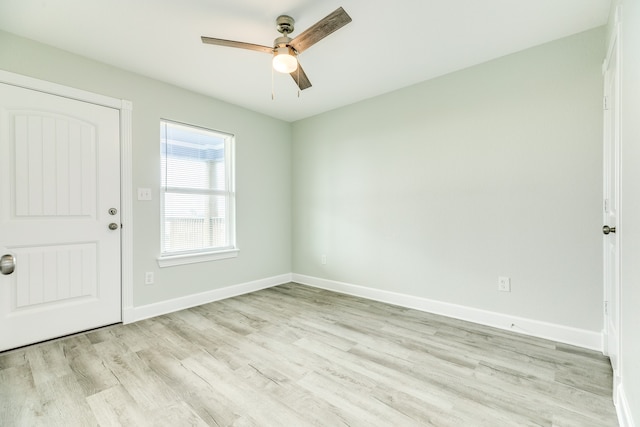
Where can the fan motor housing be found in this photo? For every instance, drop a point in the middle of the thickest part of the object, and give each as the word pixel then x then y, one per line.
pixel 281 42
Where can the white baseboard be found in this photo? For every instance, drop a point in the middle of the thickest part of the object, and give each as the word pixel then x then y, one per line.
pixel 564 334
pixel 568 335
pixel 133 314
pixel 622 408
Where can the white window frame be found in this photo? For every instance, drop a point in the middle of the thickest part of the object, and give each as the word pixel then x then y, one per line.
pixel 206 254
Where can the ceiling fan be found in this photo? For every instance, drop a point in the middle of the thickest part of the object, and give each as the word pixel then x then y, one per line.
pixel 285 50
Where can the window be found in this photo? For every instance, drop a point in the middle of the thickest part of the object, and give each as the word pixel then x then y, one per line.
pixel 197 192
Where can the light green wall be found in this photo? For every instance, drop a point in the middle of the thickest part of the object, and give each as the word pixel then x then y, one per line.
pixel 263 147
pixel 437 189
pixel 434 190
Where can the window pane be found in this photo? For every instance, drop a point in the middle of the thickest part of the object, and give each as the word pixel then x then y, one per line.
pixel 187 173
pixel 192 157
pixel 194 221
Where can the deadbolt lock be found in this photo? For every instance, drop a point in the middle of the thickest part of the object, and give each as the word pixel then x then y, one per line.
pixel 113 211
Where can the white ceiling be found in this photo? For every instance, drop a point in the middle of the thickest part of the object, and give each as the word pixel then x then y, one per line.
pixel 389 44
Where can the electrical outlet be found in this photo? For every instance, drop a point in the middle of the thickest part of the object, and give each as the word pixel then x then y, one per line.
pixel 144 194
pixel 504 284
pixel 323 259
pixel 148 278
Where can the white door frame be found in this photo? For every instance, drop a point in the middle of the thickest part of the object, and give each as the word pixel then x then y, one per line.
pixel 125 107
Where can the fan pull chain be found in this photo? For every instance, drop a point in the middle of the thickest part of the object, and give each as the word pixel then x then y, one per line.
pixel 273 92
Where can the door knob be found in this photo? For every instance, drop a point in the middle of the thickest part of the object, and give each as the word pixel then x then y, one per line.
pixel 7 264
pixel 606 229
pixel 113 226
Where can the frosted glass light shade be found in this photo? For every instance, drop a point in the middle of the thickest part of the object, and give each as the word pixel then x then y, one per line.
pixel 284 61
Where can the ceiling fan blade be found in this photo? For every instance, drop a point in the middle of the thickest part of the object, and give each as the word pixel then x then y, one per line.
pixel 300 77
pixel 321 29
pixel 241 45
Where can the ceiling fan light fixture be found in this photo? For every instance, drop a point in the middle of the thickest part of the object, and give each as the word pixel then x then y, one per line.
pixel 284 60
pixel 285 50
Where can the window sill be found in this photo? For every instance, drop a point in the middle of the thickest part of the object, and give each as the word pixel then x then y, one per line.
pixel 173 260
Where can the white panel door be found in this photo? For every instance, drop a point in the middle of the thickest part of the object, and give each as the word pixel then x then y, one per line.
pixel 59 179
pixel 611 211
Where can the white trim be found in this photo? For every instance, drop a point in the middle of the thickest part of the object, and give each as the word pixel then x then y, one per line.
pixel 230 250
pixel 126 204
pixel 134 314
pixel 623 410
pixel 60 90
pixel 126 181
pixel 560 333
pixel 171 260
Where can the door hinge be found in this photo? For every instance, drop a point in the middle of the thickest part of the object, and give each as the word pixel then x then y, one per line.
pixel 606 308
pixel 606 205
pixel 605 104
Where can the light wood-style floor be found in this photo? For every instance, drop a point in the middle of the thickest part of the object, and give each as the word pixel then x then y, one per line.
pixel 299 356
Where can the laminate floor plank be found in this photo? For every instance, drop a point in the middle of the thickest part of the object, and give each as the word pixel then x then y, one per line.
pixel 47 362
pixel 19 398
pixel 61 402
pixel 89 370
pixel 178 414
pixel 298 356
pixel 116 407
pixel 256 402
pixel 143 385
pixel 539 394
